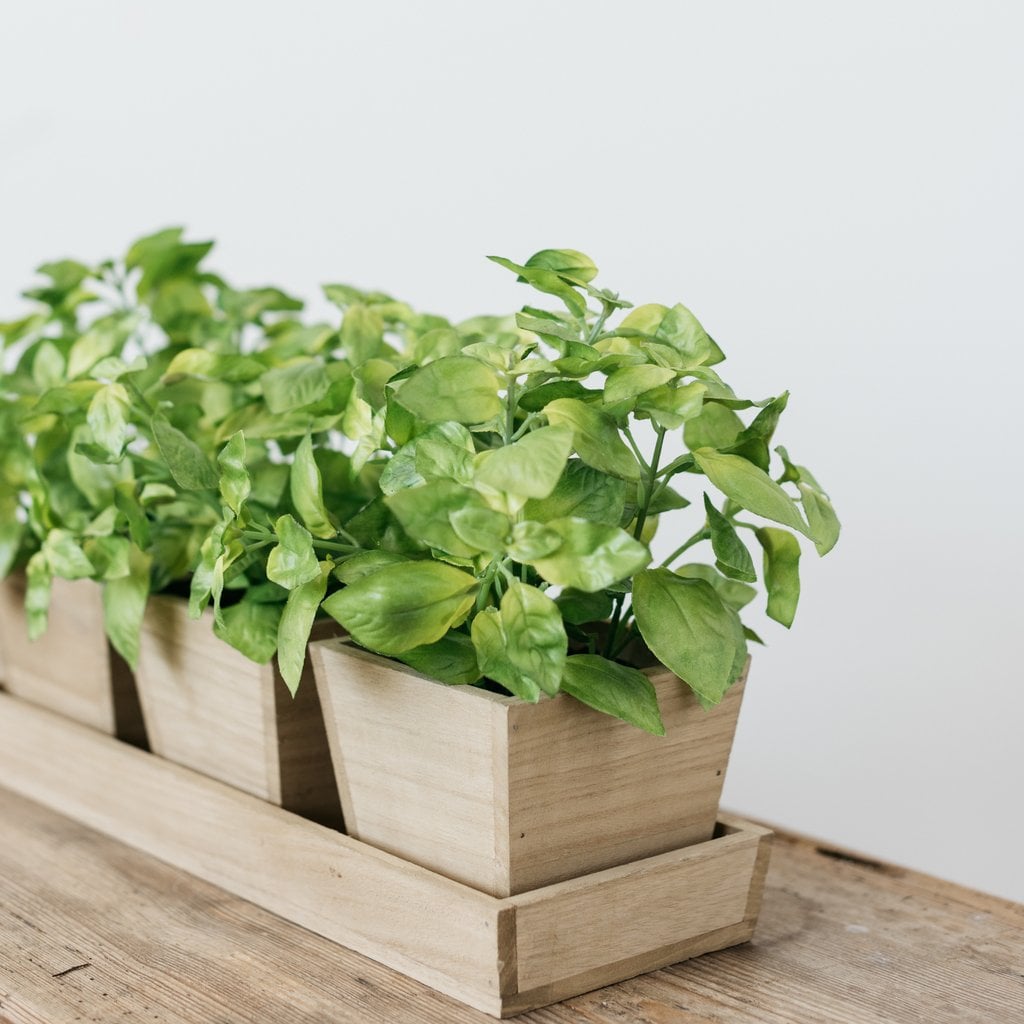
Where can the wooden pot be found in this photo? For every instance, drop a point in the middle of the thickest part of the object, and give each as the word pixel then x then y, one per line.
pixel 71 668
pixel 507 796
pixel 210 708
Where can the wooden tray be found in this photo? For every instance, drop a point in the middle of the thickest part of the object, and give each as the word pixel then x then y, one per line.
pixel 503 956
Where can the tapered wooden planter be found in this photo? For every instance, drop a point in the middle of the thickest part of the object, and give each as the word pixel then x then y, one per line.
pixel 71 668
pixel 507 796
pixel 210 708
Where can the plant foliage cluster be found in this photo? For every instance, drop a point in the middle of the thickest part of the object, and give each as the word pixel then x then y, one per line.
pixel 474 499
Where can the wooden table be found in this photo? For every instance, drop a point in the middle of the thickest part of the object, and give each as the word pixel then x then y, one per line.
pixel 92 930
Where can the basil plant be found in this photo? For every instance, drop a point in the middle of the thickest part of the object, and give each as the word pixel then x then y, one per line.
pixel 484 509
pixel 120 388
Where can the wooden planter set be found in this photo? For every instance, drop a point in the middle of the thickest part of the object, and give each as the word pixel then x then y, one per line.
pixel 509 854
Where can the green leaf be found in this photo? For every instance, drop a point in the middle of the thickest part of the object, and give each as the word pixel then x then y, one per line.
pixel 12 532
pixel 457 388
pixel 440 458
pixel 821 518
pixel 403 606
pixel 39 580
pixel 65 557
pixel 522 644
pixel 631 381
pixel 482 529
pixel 293 561
pixel 717 426
pixel 568 262
pixel 451 660
pixel 435 344
pixel 296 624
pixel 733 557
pixel 614 689
pixel 295 386
pixel 109 556
pixel 128 504
pixel 595 437
pixel 579 607
pixel 108 419
pixel 670 407
pixel 307 491
pixel 205 574
pixel 553 328
pixel 365 563
pixel 189 467
pixel 582 491
pixel 690 630
pixel 362 333
pixel 592 555
pixel 548 281
pixel 124 604
pixel 206 365
pixel 530 467
pixel 104 338
pixel 47 366
pixel 735 594
pixel 235 484
pixel 750 487
pixel 676 328
pixel 425 513
pixel 781 573
pixel 531 540
pixel 251 628
pixel 536 398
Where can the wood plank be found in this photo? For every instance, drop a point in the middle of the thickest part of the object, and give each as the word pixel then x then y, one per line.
pixel 68 668
pixel 840 940
pixel 593 925
pixel 433 929
pixel 649 794
pixel 478 947
pixel 509 796
pixel 210 708
pixel 416 776
pixel 92 930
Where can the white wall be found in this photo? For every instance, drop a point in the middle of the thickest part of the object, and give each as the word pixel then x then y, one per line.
pixel 835 189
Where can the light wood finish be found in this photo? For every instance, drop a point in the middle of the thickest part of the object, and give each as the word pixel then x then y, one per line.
pixel 485 951
pixel 210 708
pixel 69 669
pixel 842 939
pixel 476 786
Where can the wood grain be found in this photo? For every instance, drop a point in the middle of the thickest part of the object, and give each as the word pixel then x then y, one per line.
pixel 476 785
pixel 496 954
pixel 583 925
pixel 68 669
pixel 840 941
pixel 210 708
pixel 427 926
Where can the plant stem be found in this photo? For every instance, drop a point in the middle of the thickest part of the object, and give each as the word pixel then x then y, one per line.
pixel 652 475
pixel 701 534
pixel 485 584
pixel 641 519
pixel 613 627
pixel 636 448
pixel 595 331
pixel 330 545
pixel 510 411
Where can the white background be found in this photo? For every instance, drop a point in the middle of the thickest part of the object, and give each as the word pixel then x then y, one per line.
pixel 834 189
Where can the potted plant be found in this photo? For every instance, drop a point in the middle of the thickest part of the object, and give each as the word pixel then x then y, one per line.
pixel 290 441
pixel 524 694
pixel 120 397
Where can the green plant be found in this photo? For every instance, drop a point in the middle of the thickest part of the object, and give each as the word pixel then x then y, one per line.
pixel 121 386
pixel 523 465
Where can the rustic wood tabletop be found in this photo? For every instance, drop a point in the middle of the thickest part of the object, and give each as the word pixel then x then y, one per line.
pixel 92 930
